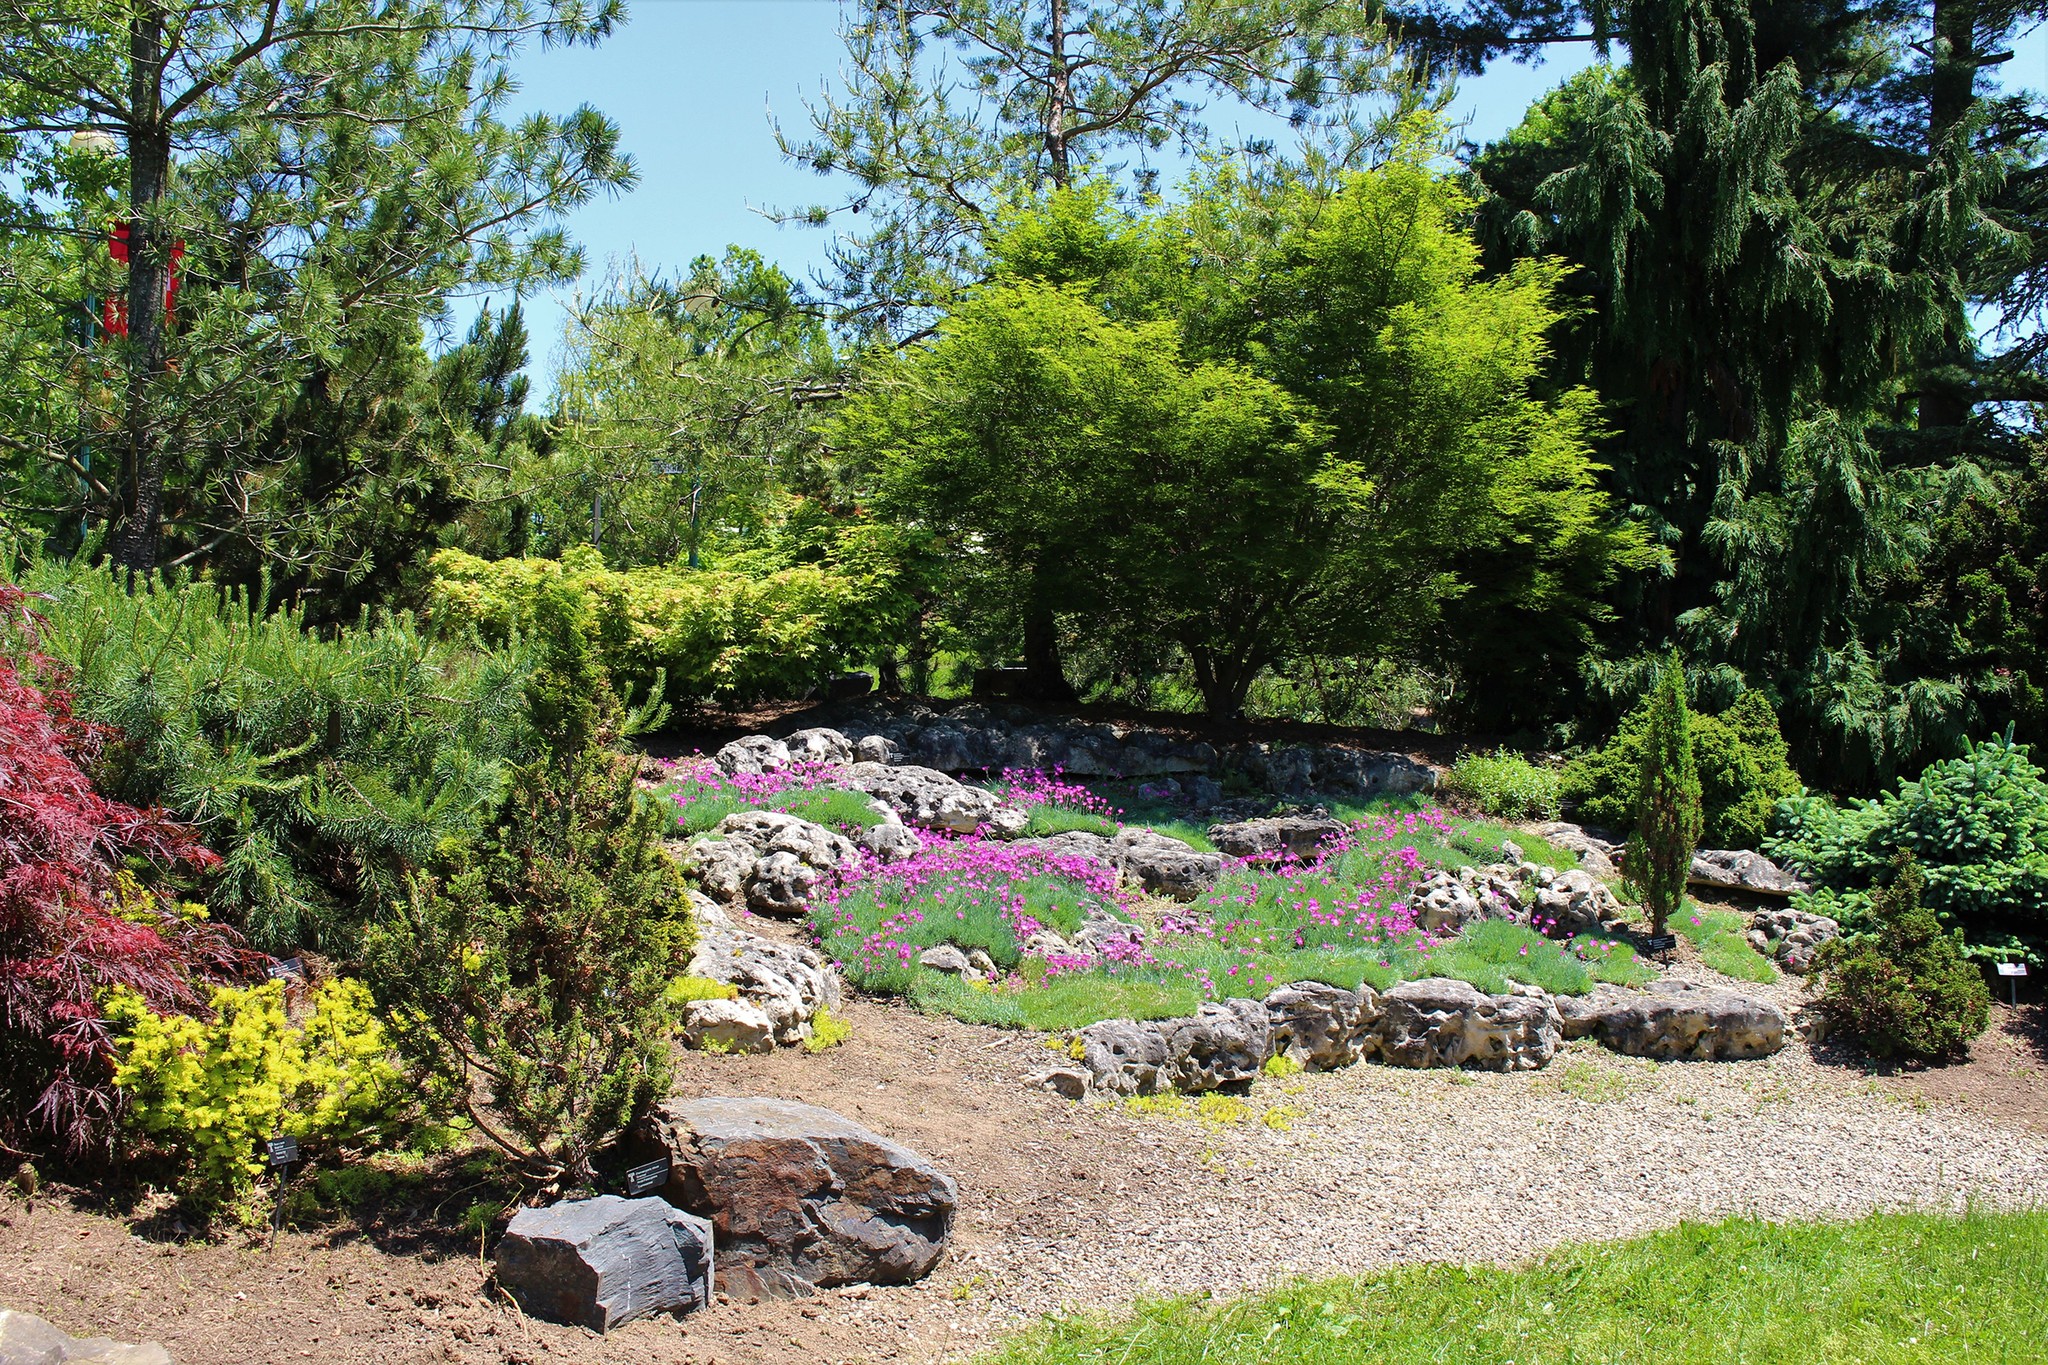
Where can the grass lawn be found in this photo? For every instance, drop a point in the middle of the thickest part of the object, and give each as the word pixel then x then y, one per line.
pixel 1888 1290
pixel 1723 941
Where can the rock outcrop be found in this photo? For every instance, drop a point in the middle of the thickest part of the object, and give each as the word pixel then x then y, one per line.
pixel 1791 937
pixel 1321 1026
pixel 788 982
pixel 768 861
pixel 1674 1020
pixel 1738 869
pixel 28 1340
pixel 1441 1022
pixel 601 1262
pixel 929 799
pixel 799 1197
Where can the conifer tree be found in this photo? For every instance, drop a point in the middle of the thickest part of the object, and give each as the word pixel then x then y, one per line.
pixel 1668 819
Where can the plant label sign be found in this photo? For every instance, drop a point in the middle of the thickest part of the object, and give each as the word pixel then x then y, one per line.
pixel 2012 969
pixel 291 967
pixel 283 1151
pixel 650 1176
pixel 1660 943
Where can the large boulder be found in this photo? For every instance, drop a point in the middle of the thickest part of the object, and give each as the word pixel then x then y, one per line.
pixel 1322 1026
pixel 1738 869
pixel 1675 1020
pixel 1302 836
pixel 800 1197
pixel 753 754
pixel 1599 856
pixel 28 1340
pixel 601 1262
pixel 929 799
pixel 1580 1015
pixel 1444 903
pixel 1221 1045
pixel 819 746
pixel 1439 1022
pixel 1163 864
pixel 1571 902
pixel 1125 1057
pixel 788 982
pixel 769 861
pixel 1792 937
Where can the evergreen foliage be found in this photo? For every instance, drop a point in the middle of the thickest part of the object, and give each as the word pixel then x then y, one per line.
pixel 528 975
pixel 1905 989
pixel 321 771
pixel 1744 767
pixel 1668 819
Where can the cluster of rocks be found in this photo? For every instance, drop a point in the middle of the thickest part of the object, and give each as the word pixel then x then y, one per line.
pixel 977 737
pixel 1791 937
pixel 766 1197
pixel 780 988
pixel 1720 869
pixel 1559 903
pixel 1159 862
pixel 1435 1022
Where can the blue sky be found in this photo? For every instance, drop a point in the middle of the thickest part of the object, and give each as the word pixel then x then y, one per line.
pixel 693 83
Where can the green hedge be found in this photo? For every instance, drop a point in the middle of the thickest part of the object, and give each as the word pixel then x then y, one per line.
pixel 699 632
pixel 1745 769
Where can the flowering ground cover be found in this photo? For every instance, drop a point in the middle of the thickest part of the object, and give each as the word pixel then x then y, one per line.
pixel 1905 1289
pixel 1343 917
pixel 704 794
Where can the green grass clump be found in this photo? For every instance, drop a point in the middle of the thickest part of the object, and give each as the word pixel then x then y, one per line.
pixel 1893 1289
pixel 1493 953
pixel 1050 820
pixel 1064 1002
pixel 828 806
pixel 1506 784
pixel 1723 943
pixel 1471 842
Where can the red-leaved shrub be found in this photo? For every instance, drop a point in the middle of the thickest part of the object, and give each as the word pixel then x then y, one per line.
pixel 65 938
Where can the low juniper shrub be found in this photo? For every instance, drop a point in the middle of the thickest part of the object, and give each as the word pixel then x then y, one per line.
pixel 1905 989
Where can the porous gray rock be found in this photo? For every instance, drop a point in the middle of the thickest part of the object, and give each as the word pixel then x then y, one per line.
pixel 1124 1057
pixel 727 1026
pixel 1163 864
pixel 1321 1026
pixel 1597 855
pixel 1443 903
pixel 601 1262
pixel 945 958
pixel 1571 902
pixel 1222 1044
pixel 788 982
pixel 1439 1022
pixel 892 841
pixel 819 745
pixel 1103 931
pixel 1580 1015
pixel 800 1198
pixel 877 749
pixel 1300 835
pixel 1738 869
pixel 753 754
pixel 29 1340
pixel 769 861
pixel 929 799
pixel 1791 937
pixel 1676 1020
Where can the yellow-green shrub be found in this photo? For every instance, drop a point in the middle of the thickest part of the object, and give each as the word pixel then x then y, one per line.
pixel 214 1091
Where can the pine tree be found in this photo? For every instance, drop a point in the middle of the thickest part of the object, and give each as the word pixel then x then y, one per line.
pixel 1905 989
pixel 1668 817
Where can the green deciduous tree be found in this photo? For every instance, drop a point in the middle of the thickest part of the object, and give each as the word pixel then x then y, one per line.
pixel 1668 819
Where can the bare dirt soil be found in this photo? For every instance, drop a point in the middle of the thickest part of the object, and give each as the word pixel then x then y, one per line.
pixel 2004 1078
pixel 1090 1206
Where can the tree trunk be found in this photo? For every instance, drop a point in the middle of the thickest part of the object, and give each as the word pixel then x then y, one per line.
pixel 1952 93
pixel 1062 96
pixel 1223 683
pixel 1045 678
pixel 149 172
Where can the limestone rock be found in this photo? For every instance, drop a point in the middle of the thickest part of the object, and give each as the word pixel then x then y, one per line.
pixel 1300 835
pixel 892 841
pixel 1322 1026
pixel 1163 864
pixel 1675 1020
pixel 28 1340
pixel 1739 869
pixel 1221 1044
pixel 1580 1015
pixel 1440 1022
pixel 929 799
pixel 1598 856
pixel 1070 1081
pixel 601 1262
pixel 769 861
pixel 753 754
pixel 945 958
pixel 1443 903
pixel 1124 1057
pixel 800 1197
pixel 788 982
pixel 727 1026
pixel 877 749
pixel 1792 937
pixel 819 745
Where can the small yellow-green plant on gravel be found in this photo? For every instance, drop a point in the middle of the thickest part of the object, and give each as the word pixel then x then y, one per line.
pixel 828 1030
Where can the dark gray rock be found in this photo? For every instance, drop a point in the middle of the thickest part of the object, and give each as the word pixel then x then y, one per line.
pixel 1300 835
pixel 601 1262
pixel 1738 869
pixel 1675 1020
pixel 800 1197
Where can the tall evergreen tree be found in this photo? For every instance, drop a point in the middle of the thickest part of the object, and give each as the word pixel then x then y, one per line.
pixel 1668 814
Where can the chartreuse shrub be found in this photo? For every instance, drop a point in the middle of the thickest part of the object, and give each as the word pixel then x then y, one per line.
pixel 1890 1289
pixel 1743 763
pixel 1976 826
pixel 1904 989
pixel 530 974
pixel 693 632
pixel 322 770
pixel 212 1091
pixel 1505 784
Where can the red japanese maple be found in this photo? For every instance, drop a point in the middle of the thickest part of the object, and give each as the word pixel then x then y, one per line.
pixel 61 943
